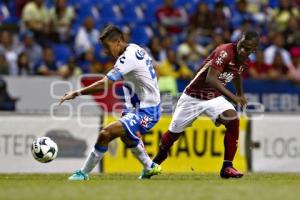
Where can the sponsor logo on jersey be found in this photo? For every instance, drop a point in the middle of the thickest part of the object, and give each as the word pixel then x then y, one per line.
pixel 145 121
pixel 220 59
pixel 140 54
pixel 226 76
pixel 122 59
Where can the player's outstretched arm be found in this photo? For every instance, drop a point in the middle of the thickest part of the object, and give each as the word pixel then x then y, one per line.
pixel 93 88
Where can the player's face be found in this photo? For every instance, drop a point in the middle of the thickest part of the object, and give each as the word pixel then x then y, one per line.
pixel 111 48
pixel 246 47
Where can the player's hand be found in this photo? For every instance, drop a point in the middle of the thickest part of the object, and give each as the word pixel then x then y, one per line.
pixel 240 101
pixel 68 96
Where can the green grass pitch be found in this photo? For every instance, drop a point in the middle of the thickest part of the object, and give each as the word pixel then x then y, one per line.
pixel 163 187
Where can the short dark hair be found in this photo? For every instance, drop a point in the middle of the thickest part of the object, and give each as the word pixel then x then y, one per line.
pixel 111 33
pixel 251 35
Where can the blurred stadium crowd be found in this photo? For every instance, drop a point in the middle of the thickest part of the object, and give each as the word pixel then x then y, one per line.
pixel 60 37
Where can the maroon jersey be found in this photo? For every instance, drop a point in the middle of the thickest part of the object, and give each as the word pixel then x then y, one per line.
pixel 223 59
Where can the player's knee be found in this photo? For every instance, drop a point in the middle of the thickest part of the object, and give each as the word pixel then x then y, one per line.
pixel 104 137
pixel 168 139
pixel 227 117
pixel 233 124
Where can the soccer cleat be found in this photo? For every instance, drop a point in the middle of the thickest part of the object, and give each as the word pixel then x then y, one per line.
pixel 79 176
pixel 147 173
pixel 230 172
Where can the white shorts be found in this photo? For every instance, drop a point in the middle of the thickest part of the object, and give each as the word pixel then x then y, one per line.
pixel 189 108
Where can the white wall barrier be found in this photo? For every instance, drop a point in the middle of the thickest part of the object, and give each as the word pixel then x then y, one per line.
pixel 276 143
pixel 74 141
pixel 40 94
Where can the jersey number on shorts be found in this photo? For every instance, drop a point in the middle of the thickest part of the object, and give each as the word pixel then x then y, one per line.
pixel 130 117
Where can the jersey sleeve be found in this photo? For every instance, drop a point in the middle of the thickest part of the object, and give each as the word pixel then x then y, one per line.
pixel 123 65
pixel 221 57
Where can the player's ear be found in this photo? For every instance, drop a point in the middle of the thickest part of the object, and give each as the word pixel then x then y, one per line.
pixel 118 41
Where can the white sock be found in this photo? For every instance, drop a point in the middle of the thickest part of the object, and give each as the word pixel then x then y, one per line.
pixel 92 160
pixel 140 153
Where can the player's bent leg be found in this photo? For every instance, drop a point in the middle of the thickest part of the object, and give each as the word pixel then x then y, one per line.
pixel 138 150
pixel 230 120
pixel 187 110
pixel 135 124
pixel 110 132
pixel 166 142
pixel 107 134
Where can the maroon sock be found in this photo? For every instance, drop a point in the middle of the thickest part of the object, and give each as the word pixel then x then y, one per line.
pixel 231 139
pixel 166 142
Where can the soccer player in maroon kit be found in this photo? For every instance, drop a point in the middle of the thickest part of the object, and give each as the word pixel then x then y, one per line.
pixel 206 95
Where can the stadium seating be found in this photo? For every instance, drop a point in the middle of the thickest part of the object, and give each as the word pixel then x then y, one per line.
pixel 110 13
pixel 132 13
pixel 141 34
pixel 62 52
